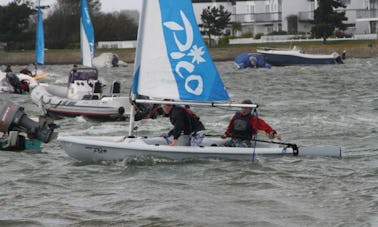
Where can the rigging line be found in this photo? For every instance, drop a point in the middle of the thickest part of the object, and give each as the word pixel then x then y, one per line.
pixel 253 156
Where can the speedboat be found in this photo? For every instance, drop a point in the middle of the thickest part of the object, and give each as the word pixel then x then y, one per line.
pixel 83 96
pixel 296 56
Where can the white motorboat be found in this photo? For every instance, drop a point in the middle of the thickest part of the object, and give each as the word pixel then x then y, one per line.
pixel 296 56
pixel 83 96
pixel 172 62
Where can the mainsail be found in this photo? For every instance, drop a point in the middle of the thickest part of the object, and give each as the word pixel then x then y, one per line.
pixel 86 35
pixel 39 39
pixel 172 61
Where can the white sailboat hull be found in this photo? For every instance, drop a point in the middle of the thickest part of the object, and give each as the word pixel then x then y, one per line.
pixel 95 149
pixel 5 87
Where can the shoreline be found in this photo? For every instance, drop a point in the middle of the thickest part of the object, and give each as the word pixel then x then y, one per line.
pixel 72 56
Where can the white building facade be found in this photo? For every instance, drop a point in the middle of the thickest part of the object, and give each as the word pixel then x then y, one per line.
pixel 292 16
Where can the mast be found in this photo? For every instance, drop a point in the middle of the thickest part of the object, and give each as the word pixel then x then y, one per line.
pixel 134 89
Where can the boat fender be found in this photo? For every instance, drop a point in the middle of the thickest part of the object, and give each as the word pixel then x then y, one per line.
pixel 121 110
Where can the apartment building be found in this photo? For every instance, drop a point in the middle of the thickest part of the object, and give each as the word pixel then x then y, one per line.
pixel 266 16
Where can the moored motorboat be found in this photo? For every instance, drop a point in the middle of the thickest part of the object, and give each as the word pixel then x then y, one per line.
pixel 296 56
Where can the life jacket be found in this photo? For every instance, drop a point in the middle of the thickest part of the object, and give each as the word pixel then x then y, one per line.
pixel 241 128
pixel 195 124
pixel 24 85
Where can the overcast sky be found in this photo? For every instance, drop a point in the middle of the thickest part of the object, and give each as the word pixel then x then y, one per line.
pixel 106 5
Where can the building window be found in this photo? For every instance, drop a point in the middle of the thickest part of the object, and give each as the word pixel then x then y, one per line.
pixel 345 2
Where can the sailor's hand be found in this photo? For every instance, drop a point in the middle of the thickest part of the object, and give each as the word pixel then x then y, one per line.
pixel 224 136
pixel 274 135
pixel 174 143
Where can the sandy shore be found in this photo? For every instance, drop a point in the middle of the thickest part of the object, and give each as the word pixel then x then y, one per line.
pixel 218 54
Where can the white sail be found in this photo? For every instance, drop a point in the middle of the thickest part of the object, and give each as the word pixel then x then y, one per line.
pixel 175 63
pixel 86 35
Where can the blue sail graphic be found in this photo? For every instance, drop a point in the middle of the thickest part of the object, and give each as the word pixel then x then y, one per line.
pixel 195 73
pixel 86 35
pixel 39 39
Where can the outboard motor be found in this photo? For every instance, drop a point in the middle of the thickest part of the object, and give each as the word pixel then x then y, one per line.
pixel 13 118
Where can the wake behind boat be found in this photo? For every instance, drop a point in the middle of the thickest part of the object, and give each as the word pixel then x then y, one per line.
pixel 296 56
pixel 173 66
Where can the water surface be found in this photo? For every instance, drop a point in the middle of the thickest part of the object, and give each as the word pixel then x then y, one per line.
pixel 327 104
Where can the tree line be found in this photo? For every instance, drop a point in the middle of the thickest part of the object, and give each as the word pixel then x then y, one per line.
pixel 62 28
pixel 62 24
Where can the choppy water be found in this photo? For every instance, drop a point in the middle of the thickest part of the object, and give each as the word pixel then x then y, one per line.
pixel 330 104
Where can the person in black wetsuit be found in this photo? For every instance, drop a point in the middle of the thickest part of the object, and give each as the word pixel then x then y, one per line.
pixel 187 126
pixel 8 69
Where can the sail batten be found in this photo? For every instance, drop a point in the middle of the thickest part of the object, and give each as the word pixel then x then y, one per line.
pixel 173 61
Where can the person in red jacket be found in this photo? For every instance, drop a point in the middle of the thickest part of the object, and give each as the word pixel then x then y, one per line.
pixel 243 126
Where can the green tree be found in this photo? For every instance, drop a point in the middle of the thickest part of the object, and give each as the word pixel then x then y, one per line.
pixel 214 20
pixel 236 26
pixel 115 27
pixel 62 27
pixel 16 28
pixel 326 19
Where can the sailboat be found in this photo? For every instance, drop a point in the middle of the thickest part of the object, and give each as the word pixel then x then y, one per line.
pixel 173 63
pixel 23 83
pixel 39 44
pixel 84 95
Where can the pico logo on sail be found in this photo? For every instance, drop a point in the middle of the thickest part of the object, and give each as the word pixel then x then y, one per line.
pixel 196 75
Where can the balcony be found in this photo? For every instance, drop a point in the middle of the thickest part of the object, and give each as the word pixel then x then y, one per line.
pixel 365 13
pixel 306 16
pixel 257 17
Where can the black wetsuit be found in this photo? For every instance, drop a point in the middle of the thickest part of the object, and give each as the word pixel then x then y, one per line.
pixel 184 121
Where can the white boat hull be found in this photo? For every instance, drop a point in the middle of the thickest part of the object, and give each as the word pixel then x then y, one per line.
pixel 95 149
pixel 53 100
pixel 295 56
